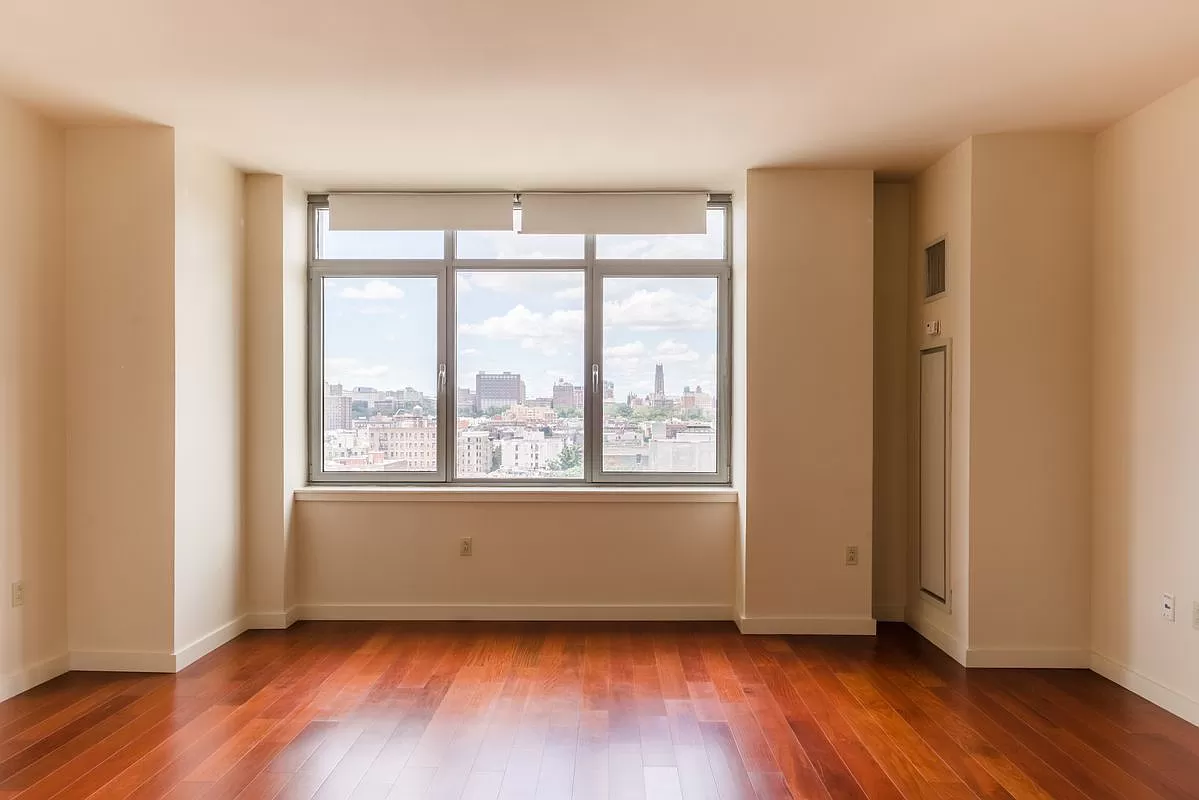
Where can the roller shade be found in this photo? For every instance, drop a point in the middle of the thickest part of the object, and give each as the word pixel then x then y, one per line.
pixel 627 213
pixel 421 212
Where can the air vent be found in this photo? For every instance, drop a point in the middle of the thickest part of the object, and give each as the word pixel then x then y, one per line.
pixel 934 269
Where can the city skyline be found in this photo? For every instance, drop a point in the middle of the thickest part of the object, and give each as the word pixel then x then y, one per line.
pixel 381 331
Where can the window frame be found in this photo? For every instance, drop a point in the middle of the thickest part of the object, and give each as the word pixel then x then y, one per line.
pixel 445 270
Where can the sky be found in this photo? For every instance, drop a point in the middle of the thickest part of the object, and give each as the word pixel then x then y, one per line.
pixel 381 331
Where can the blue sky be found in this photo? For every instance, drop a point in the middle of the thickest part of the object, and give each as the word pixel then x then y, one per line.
pixel 381 331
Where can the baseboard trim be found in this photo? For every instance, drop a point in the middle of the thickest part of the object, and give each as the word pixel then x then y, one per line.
pixel 271 620
pixel 1159 694
pixel 939 638
pixel 514 612
pixel 1028 659
pixel 803 626
pixel 209 642
pixel 23 680
pixel 896 613
pixel 121 661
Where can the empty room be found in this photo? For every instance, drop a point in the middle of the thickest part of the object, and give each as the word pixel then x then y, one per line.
pixel 564 400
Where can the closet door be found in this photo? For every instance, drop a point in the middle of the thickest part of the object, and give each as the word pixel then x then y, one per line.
pixel 934 437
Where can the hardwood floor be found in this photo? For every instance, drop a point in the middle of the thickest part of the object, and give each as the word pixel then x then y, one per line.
pixel 486 711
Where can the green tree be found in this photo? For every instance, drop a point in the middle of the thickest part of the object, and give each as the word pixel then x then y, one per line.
pixel 497 457
pixel 569 458
pixel 569 413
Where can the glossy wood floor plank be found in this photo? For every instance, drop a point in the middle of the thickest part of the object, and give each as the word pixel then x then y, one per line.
pixel 588 711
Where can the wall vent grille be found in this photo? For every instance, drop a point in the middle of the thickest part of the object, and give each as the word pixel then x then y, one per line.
pixel 934 270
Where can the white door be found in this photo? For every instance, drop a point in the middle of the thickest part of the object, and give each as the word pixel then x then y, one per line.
pixel 934 529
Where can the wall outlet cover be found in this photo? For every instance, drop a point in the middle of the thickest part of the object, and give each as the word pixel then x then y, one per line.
pixel 1168 607
pixel 466 547
pixel 18 594
pixel 851 556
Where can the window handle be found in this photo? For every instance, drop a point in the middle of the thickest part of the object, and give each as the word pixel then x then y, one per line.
pixel 441 377
pixel 595 378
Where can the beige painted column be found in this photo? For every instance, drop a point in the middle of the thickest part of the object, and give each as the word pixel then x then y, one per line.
pixel 808 488
pixel 120 423
pixel 275 352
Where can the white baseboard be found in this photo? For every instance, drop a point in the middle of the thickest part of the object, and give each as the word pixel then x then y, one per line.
pixel 209 642
pixel 890 613
pixel 1171 700
pixel 940 638
pixel 837 626
pixel 1030 659
pixel 514 612
pixel 121 661
pixel 271 620
pixel 23 680
pixel 134 661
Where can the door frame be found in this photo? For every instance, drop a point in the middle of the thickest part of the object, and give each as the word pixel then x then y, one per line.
pixel 929 347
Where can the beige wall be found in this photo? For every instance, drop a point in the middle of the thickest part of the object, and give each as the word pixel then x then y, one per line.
pixel 264 343
pixel 739 295
pixel 32 391
pixel 1146 390
pixel 809 398
pixel 120 305
pixel 295 373
pixel 1030 294
pixel 402 555
pixel 892 232
pixel 208 394
pixel 275 350
pixel 941 197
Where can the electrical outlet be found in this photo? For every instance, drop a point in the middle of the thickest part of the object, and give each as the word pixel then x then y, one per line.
pixel 851 556
pixel 1168 607
pixel 18 594
pixel 1195 615
pixel 466 546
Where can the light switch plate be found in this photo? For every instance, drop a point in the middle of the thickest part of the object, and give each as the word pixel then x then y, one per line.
pixel 1168 607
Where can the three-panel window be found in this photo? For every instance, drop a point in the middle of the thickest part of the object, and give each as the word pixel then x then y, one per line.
pixel 500 357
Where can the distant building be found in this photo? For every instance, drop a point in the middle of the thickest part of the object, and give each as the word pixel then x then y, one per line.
pixel 366 394
pixel 538 415
pixel 474 453
pixel 409 395
pixel 567 395
pixel 609 391
pixel 697 398
pixel 692 449
pixel 498 390
pixel 531 452
pixel 658 398
pixel 407 443
pixel 466 401
pixel 339 411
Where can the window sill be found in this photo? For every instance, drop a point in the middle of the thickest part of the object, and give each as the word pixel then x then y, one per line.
pixel 516 494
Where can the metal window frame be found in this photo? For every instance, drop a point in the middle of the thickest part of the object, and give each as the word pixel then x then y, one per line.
pixel 445 270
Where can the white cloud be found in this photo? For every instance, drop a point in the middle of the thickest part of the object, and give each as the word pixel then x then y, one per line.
pixel 672 351
pixel 573 293
pixel 373 290
pixel 522 281
pixel 380 309
pixel 468 351
pixel 533 329
pixel 625 350
pixel 661 310
pixel 350 370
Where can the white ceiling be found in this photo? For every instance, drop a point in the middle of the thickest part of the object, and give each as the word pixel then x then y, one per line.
pixel 525 94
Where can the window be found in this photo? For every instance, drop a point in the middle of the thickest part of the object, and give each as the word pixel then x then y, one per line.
pixel 499 357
